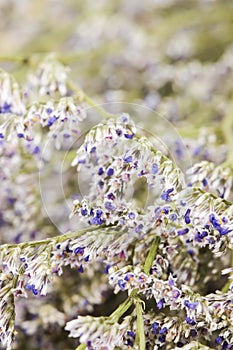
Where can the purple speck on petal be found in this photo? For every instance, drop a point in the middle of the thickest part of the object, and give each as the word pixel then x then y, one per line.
pixel 173 217
pixel 128 276
pixel 79 251
pixel 190 321
pixel 155 168
pixel 6 108
pixel 93 149
pixel 131 215
pixel 80 269
pixel 175 294
pixel 131 334
pixel 118 132
pixel 51 120
pixel 49 110
pixel 100 184
pixel 138 228
pixel 36 150
pixel 106 269
pixel 121 284
pixel 124 118
pixel 111 196
pixel 110 206
pixel 129 136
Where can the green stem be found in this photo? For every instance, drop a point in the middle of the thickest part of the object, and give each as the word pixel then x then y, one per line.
pixel 99 109
pixel 89 100
pixel 151 255
pixel 121 309
pixel 56 239
pixel 140 334
pixel 227 285
pixel 81 347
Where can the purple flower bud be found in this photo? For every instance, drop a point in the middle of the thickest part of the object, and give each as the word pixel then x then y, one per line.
pixel 138 228
pixel 121 284
pixel 128 276
pixel 83 212
pixel 204 182
pixel 129 135
pixel 166 194
pixel 79 251
pixel 219 340
pixel 160 304
pixel 155 328
pixel 128 159
pixel 36 150
pixel 163 330
pixel 187 216
pixel 190 321
pixel 118 132
pixel 131 215
pixel 110 172
pixel 162 338
pixel 109 206
pixel 80 269
pixel 131 334
pixel 49 110
pixel 51 120
pixel 154 169
pixel 183 231
pixel 100 171
pixel 190 305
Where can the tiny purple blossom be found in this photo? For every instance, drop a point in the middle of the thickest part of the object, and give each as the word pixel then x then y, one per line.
pixel 183 231
pixel 160 304
pixel 166 194
pixel 154 169
pixel 110 171
pixel 190 305
pixel 187 216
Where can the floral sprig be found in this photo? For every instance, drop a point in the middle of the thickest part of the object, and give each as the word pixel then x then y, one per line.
pixel 151 250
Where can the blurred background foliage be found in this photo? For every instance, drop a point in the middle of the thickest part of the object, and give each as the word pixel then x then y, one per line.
pixel 173 56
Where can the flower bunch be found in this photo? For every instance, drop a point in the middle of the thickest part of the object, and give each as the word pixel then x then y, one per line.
pixel 154 239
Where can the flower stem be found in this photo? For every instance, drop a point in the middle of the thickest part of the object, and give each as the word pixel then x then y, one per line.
pixel 151 255
pixel 121 309
pixel 81 347
pixel 55 240
pixel 227 285
pixel 140 334
pixel 78 91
